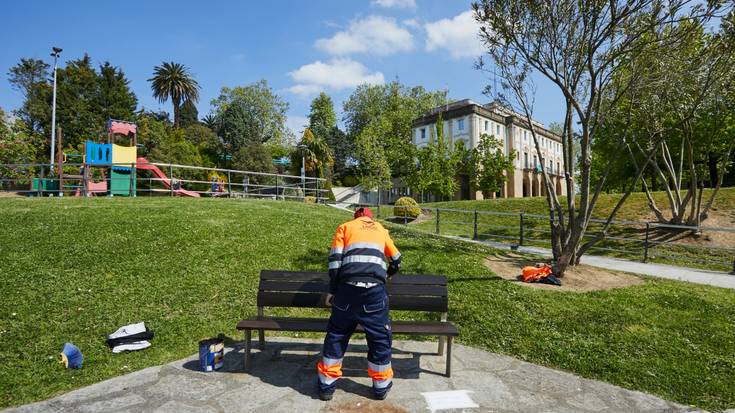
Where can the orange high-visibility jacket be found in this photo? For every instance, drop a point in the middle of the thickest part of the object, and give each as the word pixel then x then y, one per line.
pixel 533 273
pixel 359 250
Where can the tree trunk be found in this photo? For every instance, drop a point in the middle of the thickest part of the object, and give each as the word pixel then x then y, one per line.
pixel 176 112
pixel 712 164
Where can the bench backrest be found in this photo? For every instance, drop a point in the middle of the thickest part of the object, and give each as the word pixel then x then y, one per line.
pixel 308 289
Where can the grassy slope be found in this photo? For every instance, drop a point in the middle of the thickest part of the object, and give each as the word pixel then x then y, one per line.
pixel 635 207
pixel 76 269
pixel 536 228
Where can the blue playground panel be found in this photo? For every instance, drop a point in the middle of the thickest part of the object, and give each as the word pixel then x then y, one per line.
pixel 99 153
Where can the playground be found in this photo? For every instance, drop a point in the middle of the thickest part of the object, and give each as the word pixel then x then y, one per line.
pixel 82 258
pixel 113 169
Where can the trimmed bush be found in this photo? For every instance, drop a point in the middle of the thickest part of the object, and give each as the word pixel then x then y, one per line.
pixel 407 206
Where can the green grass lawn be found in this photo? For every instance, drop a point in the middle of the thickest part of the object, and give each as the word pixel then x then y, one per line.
pixel 536 227
pixel 77 269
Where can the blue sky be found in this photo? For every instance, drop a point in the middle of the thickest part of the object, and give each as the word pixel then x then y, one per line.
pixel 299 47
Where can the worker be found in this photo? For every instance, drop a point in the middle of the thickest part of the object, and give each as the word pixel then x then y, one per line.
pixel 357 295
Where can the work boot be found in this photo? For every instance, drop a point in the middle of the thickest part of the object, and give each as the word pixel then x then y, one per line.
pixel 326 395
pixel 383 393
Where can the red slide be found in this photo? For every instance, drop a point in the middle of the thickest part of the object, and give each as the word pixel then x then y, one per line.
pixel 145 165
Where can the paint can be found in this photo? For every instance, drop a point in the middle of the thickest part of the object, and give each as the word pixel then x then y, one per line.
pixel 211 354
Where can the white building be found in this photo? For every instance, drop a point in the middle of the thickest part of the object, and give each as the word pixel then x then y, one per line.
pixel 465 121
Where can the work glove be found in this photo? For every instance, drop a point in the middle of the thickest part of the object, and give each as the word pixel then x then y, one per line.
pixel 393 269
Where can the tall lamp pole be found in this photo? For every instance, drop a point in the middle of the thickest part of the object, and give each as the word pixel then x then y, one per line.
pixel 55 53
pixel 302 149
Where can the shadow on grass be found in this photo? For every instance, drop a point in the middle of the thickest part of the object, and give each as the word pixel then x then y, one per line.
pixel 293 365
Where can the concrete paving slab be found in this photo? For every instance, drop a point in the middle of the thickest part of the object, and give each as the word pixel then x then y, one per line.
pixel 283 379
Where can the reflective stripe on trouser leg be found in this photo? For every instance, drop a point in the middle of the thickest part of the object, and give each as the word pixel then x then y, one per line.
pixel 329 370
pixel 381 374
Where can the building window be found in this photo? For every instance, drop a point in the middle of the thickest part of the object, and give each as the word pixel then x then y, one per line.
pixel 497 130
pixel 535 161
pixel 423 133
pixel 558 168
pixel 525 160
pixel 460 124
pixel 486 125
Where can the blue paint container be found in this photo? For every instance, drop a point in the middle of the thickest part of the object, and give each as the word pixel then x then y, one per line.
pixel 71 356
pixel 211 354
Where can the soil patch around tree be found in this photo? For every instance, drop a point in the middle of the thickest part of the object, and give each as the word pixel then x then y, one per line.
pixel 580 279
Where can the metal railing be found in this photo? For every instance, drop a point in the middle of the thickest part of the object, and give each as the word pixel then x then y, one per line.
pixel 633 240
pixel 156 179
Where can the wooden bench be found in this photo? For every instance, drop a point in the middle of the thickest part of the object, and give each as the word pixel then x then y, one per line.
pixel 426 293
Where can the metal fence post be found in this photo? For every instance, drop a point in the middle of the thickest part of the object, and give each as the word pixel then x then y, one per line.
pixel 645 244
pixel 474 235
pixel 171 179
pixel 229 184
pixel 520 233
pixel 277 189
pixel 437 221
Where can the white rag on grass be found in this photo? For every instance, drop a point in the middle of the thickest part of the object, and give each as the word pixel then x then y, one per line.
pixel 137 345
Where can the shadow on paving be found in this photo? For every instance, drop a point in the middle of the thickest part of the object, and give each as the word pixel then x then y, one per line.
pixel 275 365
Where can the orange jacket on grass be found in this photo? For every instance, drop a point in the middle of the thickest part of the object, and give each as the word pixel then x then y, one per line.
pixel 532 273
pixel 359 251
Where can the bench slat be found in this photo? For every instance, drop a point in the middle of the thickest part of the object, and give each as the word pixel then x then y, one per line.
pixel 317 276
pixel 320 325
pixel 316 300
pixel 284 287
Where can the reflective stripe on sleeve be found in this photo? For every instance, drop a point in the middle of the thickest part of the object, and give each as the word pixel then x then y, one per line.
pixel 335 265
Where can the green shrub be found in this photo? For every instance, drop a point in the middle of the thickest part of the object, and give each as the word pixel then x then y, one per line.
pixel 349 180
pixel 407 207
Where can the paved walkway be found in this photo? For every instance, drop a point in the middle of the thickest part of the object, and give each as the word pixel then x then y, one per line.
pixel 283 380
pixel 714 278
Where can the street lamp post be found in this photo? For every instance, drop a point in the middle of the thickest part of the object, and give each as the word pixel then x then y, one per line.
pixel 302 149
pixel 55 53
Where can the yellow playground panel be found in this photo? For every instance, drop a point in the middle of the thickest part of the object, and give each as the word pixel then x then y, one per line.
pixel 124 155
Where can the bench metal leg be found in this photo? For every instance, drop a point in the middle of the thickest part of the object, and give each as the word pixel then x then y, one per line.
pixel 261 339
pixel 261 333
pixel 449 356
pixel 247 349
pixel 442 339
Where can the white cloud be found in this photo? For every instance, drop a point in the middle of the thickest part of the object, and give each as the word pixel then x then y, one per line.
pixel 412 23
pixel 458 35
pixel 394 3
pixel 373 34
pixel 337 74
pixel 297 124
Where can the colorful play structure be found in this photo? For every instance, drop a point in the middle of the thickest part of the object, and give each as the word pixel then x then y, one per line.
pixel 107 168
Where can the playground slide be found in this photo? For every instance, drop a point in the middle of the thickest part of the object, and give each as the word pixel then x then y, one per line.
pixel 142 163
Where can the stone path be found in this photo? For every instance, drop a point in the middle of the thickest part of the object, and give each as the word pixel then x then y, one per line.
pixel 283 380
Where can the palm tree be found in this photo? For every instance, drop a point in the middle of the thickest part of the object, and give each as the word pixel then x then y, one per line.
pixel 173 80
pixel 317 154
